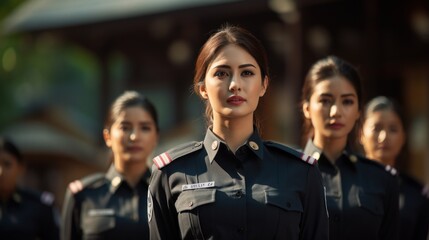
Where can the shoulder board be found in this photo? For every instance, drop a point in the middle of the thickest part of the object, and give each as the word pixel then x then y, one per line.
pixel 77 185
pixel 389 169
pixel 47 198
pixel 303 157
pixel 166 158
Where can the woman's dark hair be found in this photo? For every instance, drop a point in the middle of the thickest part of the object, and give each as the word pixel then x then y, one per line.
pixel 8 146
pixel 227 35
pixel 323 69
pixel 126 100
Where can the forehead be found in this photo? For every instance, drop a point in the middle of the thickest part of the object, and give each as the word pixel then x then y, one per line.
pixel 134 113
pixel 384 116
pixel 233 54
pixel 336 85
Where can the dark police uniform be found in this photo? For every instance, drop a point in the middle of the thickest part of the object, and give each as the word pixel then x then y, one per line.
pixel 413 209
pixel 362 197
pixel 106 207
pixel 201 190
pixel 29 215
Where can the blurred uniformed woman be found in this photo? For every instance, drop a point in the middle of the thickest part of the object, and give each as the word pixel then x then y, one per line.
pixel 383 137
pixel 113 205
pixel 24 213
pixel 362 196
pixel 233 184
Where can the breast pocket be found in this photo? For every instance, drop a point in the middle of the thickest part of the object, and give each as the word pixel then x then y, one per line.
pixel 189 206
pixel 287 207
pixel 372 202
pixel 96 222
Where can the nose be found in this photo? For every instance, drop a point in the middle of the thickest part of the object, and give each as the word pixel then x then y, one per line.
pixel 334 111
pixel 133 135
pixel 382 136
pixel 234 84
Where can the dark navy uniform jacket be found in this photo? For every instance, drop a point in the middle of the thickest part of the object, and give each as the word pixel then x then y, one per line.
pixel 29 215
pixel 106 207
pixel 413 210
pixel 201 190
pixel 362 197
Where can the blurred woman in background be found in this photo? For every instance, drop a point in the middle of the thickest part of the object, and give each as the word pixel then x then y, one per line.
pixel 114 205
pixel 362 197
pixel 383 137
pixel 24 213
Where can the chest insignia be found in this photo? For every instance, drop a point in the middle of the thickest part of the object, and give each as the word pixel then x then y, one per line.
pixel 198 185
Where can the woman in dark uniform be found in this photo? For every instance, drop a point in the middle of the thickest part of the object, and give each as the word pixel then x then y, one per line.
pixel 234 185
pixel 113 205
pixel 362 196
pixel 24 213
pixel 383 137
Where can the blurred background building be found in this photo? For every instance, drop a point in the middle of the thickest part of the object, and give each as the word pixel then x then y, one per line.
pixel 63 62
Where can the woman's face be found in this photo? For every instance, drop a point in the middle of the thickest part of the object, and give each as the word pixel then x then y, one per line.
pixel 332 108
pixel 383 136
pixel 233 84
pixel 133 135
pixel 10 172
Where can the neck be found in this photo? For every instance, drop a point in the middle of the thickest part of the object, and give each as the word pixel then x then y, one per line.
pixel 332 147
pixel 234 132
pixel 132 171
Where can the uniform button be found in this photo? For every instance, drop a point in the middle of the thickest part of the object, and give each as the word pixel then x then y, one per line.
pixel 214 145
pixel 353 158
pixel 254 145
pixel 190 204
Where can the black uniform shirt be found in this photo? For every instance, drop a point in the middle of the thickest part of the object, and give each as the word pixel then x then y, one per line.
pixel 414 210
pixel 106 207
pixel 28 215
pixel 362 197
pixel 263 191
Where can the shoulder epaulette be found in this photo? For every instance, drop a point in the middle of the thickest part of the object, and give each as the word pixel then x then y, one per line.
pixel 166 158
pixel 291 151
pixel 47 198
pixel 389 169
pixel 77 185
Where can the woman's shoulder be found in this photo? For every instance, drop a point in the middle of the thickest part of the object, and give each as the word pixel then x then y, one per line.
pixel 92 181
pixel 178 152
pixel 290 152
pixel 377 166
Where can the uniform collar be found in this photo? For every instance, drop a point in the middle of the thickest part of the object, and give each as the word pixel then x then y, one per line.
pixel 315 152
pixel 213 143
pixel 116 179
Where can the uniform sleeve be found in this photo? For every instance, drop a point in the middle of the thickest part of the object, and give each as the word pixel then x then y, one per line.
pixel 69 229
pixel 315 223
pixel 50 223
pixel 422 228
pixel 390 226
pixel 162 214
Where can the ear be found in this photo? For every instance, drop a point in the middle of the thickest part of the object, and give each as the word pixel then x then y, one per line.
pixel 306 110
pixel 107 138
pixel 203 91
pixel 264 87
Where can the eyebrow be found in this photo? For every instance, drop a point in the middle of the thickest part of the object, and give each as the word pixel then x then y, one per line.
pixel 343 95
pixel 241 66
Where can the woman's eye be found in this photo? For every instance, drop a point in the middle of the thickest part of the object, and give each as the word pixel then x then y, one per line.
pixel 325 101
pixel 146 128
pixel 247 73
pixel 220 74
pixel 348 101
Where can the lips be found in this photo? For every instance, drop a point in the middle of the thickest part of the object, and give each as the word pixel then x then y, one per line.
pixel 335 125
pixel 235 100
pixel 134 149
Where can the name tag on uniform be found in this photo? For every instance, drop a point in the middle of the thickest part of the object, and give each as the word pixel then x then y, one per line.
pixel 198 185
pixel 101 212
